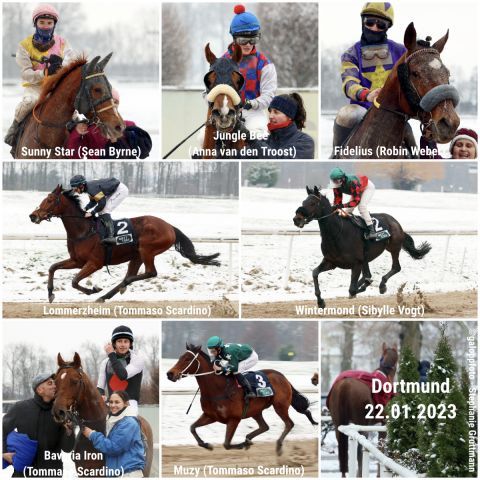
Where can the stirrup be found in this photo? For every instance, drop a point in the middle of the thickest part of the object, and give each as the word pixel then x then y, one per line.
pixel 109 240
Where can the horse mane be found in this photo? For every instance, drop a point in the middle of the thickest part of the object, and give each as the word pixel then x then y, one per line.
pixel 198 348
pixel 51 83
pixel 70 195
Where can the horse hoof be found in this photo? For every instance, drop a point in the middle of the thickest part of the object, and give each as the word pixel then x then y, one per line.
pixel 100 300
pixel 207 446
pixel 247 443
pixel 123 290
pixel 383 288
pixel 352 296
pixel 51 298
pixel 96 289
pixel 279 450
pixel 321 303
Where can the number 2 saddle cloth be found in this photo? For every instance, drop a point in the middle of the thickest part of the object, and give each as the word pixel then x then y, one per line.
pixel 124 231
pixel 260 383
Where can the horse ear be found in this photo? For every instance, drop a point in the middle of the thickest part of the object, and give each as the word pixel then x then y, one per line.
pixel 237 80
pixel 237 53
pixel 309 191
pixel 316 191
pixel 77 362
pixel 58 189
pixel 439 44
pixel 209 55
pixel 91 65
pixel 410 38
pixel 60 360
pixel 394 347
pixel 384 346
pixel 101 65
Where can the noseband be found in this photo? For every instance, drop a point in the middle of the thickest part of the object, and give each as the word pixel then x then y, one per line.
pixel 194 359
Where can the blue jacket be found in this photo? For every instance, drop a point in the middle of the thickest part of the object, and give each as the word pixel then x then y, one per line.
pixel 123 447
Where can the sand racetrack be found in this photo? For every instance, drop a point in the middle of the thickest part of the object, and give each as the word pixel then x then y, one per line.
pixel 296 453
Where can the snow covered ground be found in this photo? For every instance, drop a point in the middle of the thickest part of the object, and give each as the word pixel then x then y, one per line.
pixel 26 262
pixel 264 257
pixel 175 429
pixel 135 100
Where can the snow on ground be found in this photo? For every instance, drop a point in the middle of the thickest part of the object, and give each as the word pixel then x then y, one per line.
pixel 175 427
pixel 264 258
pixel 135 100
pixel 26 262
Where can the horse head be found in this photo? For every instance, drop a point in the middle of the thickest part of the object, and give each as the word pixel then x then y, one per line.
pixel 425 90
pixel 51 206
pixel 316 205
pixel 189 363
pixel 95 100
pixel 389 360
pixel 224 82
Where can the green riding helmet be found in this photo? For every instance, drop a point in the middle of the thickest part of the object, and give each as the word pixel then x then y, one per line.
pixel 215 342
pixel 337 174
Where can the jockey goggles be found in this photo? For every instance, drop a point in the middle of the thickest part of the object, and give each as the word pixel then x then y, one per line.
pixel 371 21
pixel 245 40
pixel 369 54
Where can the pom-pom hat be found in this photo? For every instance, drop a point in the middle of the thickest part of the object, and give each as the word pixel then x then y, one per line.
pixel 244 23
pixel 465 134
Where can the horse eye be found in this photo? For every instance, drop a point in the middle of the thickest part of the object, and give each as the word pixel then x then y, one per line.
pixel 415 74
pixel 98 90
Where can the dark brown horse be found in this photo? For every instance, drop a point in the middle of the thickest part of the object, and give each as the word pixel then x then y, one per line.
pixel 154 236
pixel 223 83
pixel 417 87
pixel 77 400
pixel 347 403
pixel 343 244
pixel 223 401
pixel 78 86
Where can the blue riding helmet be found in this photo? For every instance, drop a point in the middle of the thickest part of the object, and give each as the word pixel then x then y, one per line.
pixel 244 23
pixel 215 342
pixel 77 180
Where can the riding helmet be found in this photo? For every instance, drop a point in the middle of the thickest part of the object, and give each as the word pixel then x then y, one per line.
pixel 337 174
pixel 77 180
pixel 45 11
pixel 378 9
pixel 244 23
pixel 215 342
pixel 122 332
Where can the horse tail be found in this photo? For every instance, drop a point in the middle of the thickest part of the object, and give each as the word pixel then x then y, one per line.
pixel 185 247
pixel 417 253
pixel 301 403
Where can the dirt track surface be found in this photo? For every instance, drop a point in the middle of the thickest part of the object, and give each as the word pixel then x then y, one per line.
pixel 296 453
pixel 171 309
pixel 416 305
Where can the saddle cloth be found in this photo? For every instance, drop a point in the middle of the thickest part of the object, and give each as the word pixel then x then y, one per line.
pixel 381 228
pixel 124 231
pixel 381 397
pixel 260 383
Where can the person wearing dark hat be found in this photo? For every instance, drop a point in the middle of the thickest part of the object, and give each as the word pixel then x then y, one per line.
pixel 32 419
pixel 287 117
pixel 463 146
pixel 123 368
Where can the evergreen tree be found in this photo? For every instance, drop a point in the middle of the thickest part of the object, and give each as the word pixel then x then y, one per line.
pixel 263 174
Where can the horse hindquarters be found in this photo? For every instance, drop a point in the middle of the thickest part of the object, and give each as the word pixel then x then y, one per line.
pixel 147 434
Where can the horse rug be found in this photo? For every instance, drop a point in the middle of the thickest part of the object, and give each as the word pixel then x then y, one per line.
pixel 381 229
pixel 260 383
pixel 381 397
pixel 124 231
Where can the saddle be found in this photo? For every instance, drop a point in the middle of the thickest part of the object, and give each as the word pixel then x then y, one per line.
pixel 380 228
pixel 260 383
pixel 124 232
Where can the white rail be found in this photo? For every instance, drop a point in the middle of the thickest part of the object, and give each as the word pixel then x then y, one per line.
pixel 192 392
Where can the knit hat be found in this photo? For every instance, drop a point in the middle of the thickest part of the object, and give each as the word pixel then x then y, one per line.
pixel 465 134
pixel 40 378
pixel 122 332
pixel 244 23
pixel 285 104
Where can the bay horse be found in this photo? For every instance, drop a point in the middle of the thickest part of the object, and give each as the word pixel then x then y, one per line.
pixel 417 87
pixel 77 400
pixel 223 83
pixel 80 86
pixel 154 236
pixel 344 246
pixel 348 400
pixel 222 400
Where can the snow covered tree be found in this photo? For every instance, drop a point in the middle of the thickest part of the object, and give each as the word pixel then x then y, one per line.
pixel 263 174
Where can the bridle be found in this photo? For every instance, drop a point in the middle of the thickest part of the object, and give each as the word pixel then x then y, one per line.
pixel 308 218
pixel 386 367
pixel 196 374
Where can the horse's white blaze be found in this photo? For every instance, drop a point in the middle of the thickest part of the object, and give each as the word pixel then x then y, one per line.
pixel 224 110
pixel 63 375
pixel 435 64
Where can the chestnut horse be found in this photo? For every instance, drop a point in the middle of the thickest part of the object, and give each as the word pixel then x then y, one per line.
pixel 223 83
pixel 348 400
pixel 154 236
pixel 343 244
pixel 417 87
pixel 78 400
pixel 78 86
pixel 222 399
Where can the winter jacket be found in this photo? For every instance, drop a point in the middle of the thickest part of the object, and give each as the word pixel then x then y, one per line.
pixel 33 417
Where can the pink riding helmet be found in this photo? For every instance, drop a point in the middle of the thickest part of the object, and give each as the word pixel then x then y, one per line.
pixel 45 10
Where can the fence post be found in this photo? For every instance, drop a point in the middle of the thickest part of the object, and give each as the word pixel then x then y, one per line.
pixel 445 256
pixel 365 463
pixel 230 259
pixel 287 266
pixel 352 457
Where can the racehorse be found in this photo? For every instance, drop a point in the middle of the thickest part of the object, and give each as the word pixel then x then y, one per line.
pixel 154 236
pixel 417 87
pixel 223 83
pixel 77 400
pixel 78 86
pixel 222 399
pixel 348 400
pixel 344 246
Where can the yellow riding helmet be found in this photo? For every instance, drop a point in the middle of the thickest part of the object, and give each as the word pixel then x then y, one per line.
pixel 379 9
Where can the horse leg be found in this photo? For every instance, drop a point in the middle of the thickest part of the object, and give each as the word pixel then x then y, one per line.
pixel 263 427
pixel 282 412
pixel 394 270
pixel 366 279
pixel 342 441
pixel 63 265
pixel 356 270
pixel 133 267
pixel 323 267
pixel 85 272
pixel 232 425
pixel 201 422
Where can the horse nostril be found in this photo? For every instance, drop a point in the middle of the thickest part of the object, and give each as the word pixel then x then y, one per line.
pixel 118 128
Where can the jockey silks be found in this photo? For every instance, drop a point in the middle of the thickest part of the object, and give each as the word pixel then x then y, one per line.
pixel 98 191
pixel 354 186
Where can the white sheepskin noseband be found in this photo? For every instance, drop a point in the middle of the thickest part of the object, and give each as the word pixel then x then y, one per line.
pixel 227 90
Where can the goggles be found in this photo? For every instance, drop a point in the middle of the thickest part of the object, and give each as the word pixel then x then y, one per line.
pixel 369 54
pixel 246 40
pixel 381 24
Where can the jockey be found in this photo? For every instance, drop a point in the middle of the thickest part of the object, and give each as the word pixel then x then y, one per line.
pixel 257 70
pixel 361 190
pixel 365 67
pixel 233 358
pixel 90 136
pixel 105 195
pixel 123 368
pixel 38 55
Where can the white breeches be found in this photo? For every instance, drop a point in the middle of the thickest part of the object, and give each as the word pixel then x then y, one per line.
pixel 248 363
pixel 118 196
pixel 29 99
pixel 364 201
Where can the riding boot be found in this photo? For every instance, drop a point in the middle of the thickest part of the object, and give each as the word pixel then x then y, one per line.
pixel 247 388
pixel 108 222
pixel 372 234
pixel 340 135
pixel 12 133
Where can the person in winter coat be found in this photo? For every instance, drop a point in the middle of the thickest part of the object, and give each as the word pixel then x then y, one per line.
pixel 122 445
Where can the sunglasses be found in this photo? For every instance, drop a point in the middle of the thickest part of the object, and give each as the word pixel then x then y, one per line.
pixel 371 21
pixel 246 40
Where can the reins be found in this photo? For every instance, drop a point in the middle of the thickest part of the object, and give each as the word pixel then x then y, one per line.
pixel 184 140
